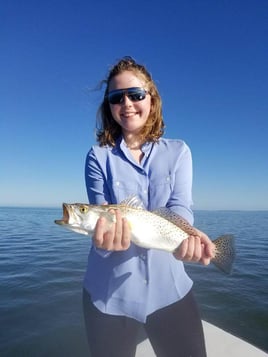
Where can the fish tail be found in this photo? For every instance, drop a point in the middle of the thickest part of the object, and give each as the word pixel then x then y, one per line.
pixel 225 253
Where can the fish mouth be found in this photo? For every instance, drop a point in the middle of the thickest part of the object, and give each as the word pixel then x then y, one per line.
pixel 66 216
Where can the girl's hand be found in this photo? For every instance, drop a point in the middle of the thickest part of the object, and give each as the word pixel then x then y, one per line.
pixel 197 248
pixel 116 238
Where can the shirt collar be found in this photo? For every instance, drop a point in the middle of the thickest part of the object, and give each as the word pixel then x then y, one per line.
pixel 146 147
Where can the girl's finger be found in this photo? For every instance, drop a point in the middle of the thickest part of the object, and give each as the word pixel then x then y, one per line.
pixel 126 234
pixel 117 239
pixel 181 250
pixel 191 249
pixel 197 254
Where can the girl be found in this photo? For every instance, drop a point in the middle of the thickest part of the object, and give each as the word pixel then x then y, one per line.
pixel 127 286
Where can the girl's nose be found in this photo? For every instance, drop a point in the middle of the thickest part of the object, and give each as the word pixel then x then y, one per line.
pixel 125 100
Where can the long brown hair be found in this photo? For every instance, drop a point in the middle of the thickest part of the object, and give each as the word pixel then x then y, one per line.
pixel 108 130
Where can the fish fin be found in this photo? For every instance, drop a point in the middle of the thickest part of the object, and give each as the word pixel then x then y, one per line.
pixel 176 219
pixel 110 218
pixel 133 201
pixel 162 212
pixel 225 253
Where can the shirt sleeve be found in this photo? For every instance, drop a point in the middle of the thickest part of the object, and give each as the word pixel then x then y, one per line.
pixel 96 188
pixel 180 200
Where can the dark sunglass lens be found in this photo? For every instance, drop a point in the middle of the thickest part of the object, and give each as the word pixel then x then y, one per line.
pixel 116 97
pixel 136 94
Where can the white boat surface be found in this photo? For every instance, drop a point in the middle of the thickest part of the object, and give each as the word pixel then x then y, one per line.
pixel 219 343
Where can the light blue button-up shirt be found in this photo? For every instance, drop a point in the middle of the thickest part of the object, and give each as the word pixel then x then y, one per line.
pixel 138 281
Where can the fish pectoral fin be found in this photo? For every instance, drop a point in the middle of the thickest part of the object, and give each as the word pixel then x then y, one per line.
pixel 109 216
pixel 133 201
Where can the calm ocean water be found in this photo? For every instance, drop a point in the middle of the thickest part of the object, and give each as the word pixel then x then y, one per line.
pixel 42 268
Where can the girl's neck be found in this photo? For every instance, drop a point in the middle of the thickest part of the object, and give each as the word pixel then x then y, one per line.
pixel 133 142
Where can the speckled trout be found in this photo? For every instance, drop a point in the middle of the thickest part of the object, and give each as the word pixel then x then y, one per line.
pixel 159 229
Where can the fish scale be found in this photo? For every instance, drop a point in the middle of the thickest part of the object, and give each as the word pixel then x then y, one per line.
pixel 148 230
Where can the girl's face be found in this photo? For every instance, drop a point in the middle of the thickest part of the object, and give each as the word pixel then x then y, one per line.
pixel 130 115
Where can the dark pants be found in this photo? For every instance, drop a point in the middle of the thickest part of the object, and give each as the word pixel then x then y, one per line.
pixel 174 331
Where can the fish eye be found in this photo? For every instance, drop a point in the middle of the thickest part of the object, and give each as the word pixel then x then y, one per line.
pixel 83 209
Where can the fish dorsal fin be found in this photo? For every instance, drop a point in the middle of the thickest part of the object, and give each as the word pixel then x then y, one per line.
pixel 133 201
pixel 176 219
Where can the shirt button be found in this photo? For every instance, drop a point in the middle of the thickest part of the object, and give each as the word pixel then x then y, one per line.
pixel 145 281
pixel 117 183
pixel 144 191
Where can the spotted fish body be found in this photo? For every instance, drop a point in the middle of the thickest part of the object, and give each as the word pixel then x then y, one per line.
pixel 160 229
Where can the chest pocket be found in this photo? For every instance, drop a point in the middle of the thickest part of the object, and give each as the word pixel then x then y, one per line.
pixel 120 190
pixel 160 190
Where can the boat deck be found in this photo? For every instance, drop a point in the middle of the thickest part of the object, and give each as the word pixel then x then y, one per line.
pixel 218 342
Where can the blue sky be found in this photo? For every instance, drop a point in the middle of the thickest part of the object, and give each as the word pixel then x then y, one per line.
pixel 208 58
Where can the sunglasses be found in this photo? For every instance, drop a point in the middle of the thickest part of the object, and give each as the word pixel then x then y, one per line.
pixel 135 94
